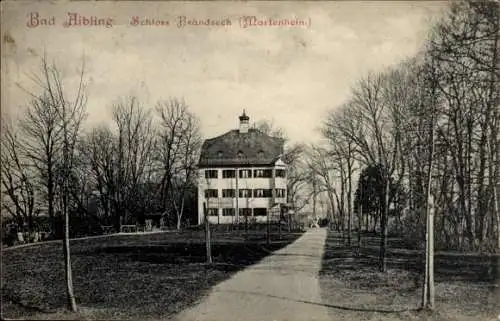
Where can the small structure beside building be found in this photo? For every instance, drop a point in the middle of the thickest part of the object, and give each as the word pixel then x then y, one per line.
pixel 241 175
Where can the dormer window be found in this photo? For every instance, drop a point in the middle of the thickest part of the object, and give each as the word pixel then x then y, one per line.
pixel 281 173
pixel 260 154
pixel 240 154
pixel 220 154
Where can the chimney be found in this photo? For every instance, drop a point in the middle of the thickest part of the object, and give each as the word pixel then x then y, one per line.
pixel 244 123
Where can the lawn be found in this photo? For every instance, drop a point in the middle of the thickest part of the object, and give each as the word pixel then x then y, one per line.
pixel 126 276
pixel 466 284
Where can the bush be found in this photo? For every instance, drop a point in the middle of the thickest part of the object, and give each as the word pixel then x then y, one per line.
pixel 9 235
pixel 323 222
pixel 9 239
pixel 412 233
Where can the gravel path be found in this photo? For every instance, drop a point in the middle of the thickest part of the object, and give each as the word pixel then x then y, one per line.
pixel 282 287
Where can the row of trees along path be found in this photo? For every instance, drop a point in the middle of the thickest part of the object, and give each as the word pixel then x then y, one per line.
pixel 422 140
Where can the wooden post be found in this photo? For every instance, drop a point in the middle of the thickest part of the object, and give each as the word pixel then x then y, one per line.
pixel 237 192
pixel 273 201
pixel 425 288
pixel 246 225
pixel 279 223
pixel 349 198
pixel 431 253
pixel 314 197
pixel 268 236
pixel 207 234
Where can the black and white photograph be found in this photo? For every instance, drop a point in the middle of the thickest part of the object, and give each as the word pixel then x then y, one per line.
pixel 250 160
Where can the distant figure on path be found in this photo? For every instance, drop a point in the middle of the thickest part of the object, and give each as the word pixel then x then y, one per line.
pixel 314 223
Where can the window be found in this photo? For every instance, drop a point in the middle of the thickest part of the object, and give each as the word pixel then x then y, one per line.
pixel 228 173
pixel 213 212
pixel 220 154
pixel 260 211
pixel 262 193
pixel 211 173
pixel 280 192
pixel 228 212
pixel 245 193
pixel 260 154
pixel 265 173
pixel 228 193
pixel 280 173
pixel 240 154
pixel 211 193
pixel 245 211
pixel 245 173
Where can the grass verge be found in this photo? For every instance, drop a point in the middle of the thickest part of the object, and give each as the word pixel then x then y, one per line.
pixel 466 285
pixel 126 276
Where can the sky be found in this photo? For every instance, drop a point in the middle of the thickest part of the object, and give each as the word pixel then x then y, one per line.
pixel 289 75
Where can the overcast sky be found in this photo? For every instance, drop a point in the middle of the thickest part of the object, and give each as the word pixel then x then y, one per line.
pixel 289 75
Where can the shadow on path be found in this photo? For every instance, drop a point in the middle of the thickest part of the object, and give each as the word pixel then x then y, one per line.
pixel 331 306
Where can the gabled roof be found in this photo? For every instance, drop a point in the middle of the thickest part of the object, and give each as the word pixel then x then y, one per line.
pixel 235 148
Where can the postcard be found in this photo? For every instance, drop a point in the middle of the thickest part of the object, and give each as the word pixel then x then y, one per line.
pixel 250 160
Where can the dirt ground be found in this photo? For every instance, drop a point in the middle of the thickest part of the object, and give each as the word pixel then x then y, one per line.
pixel 466 285
pixel 133 277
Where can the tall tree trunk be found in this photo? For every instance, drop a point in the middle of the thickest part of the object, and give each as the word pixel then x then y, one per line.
pixel 342 201
pixel 314 196
pixel 67 258
pixel 349 198
pixel 50 195
pixel 494 179
pixel 65 195
pixel 360 219
pixel 384 227
pixel 428 298
pixel 367 221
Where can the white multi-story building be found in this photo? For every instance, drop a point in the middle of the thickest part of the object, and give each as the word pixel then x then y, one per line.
pixel 241 175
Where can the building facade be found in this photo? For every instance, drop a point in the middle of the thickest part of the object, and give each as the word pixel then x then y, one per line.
pixel 241 176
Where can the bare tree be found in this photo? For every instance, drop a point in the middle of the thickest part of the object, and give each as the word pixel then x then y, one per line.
pixel 465 47
pixel 432 123
pixel 343 154
pixel 133 150
pixel 178 145
pixel 298 174
pixel 268 127
pixel 100 146
pixel 322 168
pixel 17 181
pixel 51 127
pixel 41 140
